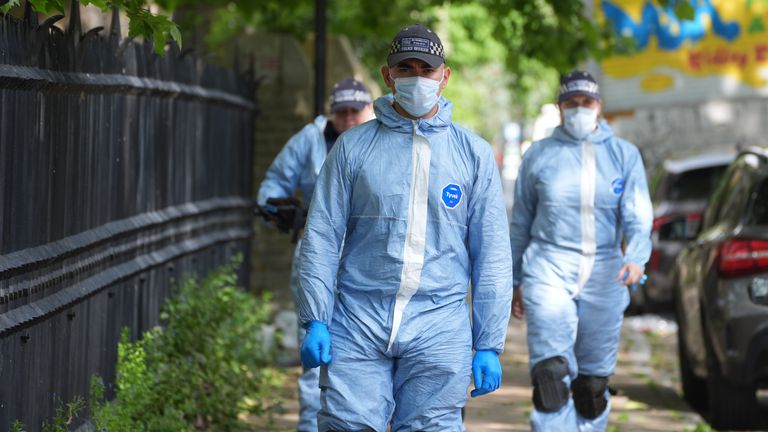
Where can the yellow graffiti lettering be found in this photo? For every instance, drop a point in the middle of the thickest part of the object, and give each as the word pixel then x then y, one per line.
pixel 654 83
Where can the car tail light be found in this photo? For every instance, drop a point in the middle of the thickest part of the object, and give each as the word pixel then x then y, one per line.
pixel 742 257
pixel 693 217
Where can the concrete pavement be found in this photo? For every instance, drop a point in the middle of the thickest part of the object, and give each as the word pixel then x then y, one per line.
pixel 646 382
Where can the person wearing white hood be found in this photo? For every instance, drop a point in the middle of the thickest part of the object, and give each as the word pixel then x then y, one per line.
pixel 577 195
pixel 414 203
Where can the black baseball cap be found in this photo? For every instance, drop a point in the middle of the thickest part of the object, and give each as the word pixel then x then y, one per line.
pixel 578 83
pixel 419 42
pixel 349 93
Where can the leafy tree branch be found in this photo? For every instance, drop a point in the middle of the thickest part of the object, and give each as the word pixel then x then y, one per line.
pixel 157 28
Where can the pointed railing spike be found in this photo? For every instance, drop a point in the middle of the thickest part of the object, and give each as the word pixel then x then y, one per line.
pixel 114 28
pixel 75 24
pixel 30 16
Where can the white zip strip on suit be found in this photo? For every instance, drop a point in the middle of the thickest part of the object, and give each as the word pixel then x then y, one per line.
pixel 416 230
pixel 587 214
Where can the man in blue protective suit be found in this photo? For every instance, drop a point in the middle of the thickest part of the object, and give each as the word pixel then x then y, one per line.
pixel 577 194
pixel 416 202
pixel 296 167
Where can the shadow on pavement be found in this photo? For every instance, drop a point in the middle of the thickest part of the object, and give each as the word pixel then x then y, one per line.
pixel 653 395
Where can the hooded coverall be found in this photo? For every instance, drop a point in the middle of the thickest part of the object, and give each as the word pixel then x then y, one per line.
pixel 574 202
pixel 421 206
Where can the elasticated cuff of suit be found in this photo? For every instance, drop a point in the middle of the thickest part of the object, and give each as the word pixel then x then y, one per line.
pixel 314 324
pixel 498 352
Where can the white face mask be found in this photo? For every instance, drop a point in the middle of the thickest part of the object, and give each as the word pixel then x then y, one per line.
pixel 580 121
pixel 417 95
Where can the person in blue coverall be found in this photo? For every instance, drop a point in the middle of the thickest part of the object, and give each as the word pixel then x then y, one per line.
pixel 296 167
pixel 416 202
pixel 578 193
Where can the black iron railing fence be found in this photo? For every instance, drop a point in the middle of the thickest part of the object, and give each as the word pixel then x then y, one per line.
pixel 119 171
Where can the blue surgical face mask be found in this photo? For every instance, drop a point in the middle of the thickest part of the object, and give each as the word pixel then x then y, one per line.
pixel 417 95
pixel 580 121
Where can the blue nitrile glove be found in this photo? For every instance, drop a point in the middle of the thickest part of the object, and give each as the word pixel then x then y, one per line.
pixel 486 370
pixel 316 349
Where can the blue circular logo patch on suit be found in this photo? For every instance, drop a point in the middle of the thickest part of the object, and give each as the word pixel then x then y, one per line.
pixel 617 186
pixel 451 195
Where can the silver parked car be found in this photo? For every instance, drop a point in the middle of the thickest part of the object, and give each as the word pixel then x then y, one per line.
pixel 720 287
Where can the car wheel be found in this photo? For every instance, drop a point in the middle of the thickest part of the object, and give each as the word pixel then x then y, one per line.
pixel 731 406
pixel 694 388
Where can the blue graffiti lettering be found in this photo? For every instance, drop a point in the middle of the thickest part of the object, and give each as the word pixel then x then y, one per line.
pixel 675 32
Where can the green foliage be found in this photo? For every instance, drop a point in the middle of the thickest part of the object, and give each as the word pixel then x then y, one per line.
pixel 557 33
pixel 371 25
pixel 155 28
pixel 470 36
pixel 101 4
pixel 531 39
pixel 481 100
pixel 7 7
pixel 48 6
pixel 199 372
pixel 682 8
pixel 700 427
pixel 64 416
pixel 534 39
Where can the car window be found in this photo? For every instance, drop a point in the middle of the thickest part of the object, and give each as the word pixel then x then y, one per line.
pixel 696 184
pixel 758 215
pixel 718 197
pixel 739 190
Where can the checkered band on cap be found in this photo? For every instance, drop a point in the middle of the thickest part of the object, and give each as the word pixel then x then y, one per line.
pixel 350 95
pixel 581 86
pixel 416 44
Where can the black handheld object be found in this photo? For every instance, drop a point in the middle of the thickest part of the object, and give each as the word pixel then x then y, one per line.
pixel 288 214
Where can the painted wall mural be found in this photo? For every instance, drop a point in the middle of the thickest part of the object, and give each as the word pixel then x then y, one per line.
pixel 721 53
